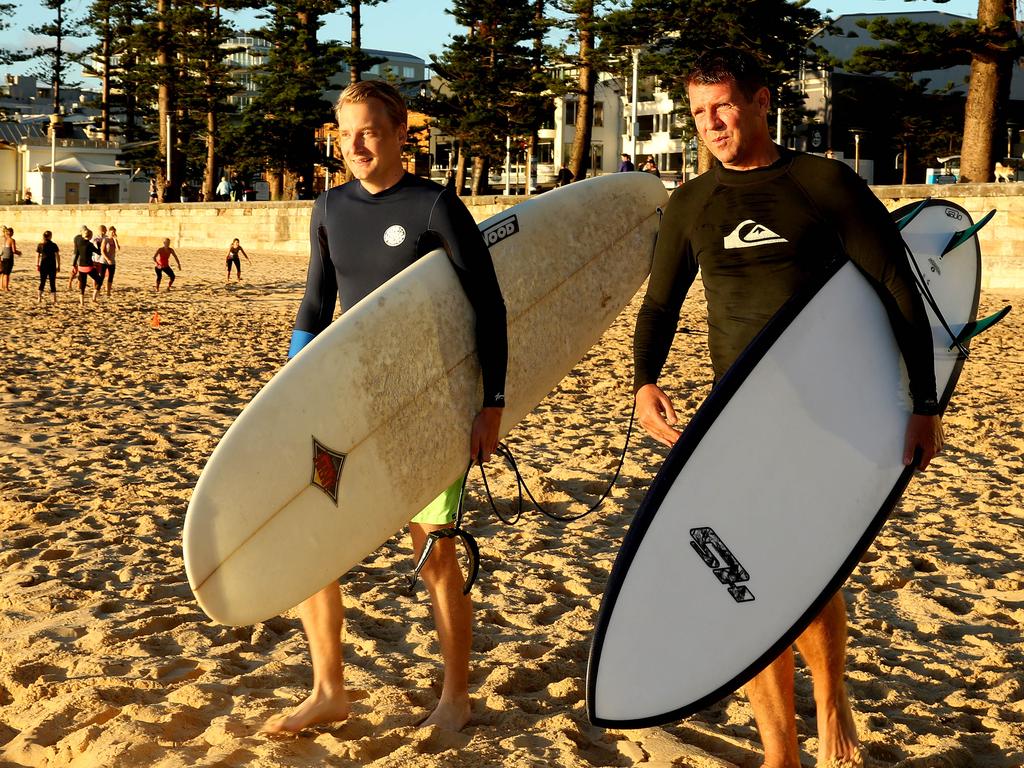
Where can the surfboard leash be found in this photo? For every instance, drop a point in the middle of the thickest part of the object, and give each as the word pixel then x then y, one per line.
pixel 926 293
pixel 456 531
pixel 506 453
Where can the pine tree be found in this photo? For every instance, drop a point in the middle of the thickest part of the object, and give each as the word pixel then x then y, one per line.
pixel 6 9
pixel 358 60
pixel 54 58
pixel 991 45
pixel 675 32
pixel 492 90
pixel 278 128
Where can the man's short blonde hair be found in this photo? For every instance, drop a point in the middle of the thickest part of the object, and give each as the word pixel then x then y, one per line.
pixel 380 90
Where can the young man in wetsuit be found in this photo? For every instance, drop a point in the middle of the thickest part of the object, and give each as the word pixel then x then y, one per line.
pixel 759 225
pixel 361 234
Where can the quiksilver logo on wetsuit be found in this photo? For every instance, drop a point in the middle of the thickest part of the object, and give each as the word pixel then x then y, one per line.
pixel 749 233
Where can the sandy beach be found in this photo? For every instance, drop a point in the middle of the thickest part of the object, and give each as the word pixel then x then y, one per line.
pixel 106 660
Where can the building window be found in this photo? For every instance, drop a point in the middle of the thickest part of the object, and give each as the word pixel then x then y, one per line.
pixel 598 114
pixel 570 112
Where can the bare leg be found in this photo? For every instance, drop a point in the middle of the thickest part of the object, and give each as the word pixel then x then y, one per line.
pixel 823 646
pixel 771 697
pixel 323 617
pixel 453 617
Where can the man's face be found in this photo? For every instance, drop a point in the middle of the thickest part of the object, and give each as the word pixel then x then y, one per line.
pixel 371 144
pixel 734 128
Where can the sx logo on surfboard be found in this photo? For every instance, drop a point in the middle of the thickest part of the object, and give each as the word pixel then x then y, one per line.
pixel 722 562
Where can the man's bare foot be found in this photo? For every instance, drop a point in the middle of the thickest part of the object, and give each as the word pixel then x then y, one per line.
pixel 318 709
pixel 838 746
pixel 450 715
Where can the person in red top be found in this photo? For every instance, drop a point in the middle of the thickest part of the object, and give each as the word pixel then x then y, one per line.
pixel 162 260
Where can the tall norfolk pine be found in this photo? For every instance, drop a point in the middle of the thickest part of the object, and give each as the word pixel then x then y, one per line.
pixel 493 89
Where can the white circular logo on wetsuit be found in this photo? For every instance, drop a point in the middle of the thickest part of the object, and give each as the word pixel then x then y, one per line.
pixel 394 235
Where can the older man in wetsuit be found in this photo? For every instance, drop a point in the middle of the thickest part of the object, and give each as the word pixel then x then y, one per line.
pixel 758 225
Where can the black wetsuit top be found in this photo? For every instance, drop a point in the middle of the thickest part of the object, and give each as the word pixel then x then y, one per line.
pixel 758 237
pixel 84 249
pixel 359 240
pixel 48 251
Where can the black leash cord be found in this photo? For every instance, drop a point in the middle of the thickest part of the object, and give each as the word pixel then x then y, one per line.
pixel 928 297
pixel 522 486
pixel 458 532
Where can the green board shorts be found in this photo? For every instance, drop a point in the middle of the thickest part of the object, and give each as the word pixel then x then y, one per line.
pixel 443 509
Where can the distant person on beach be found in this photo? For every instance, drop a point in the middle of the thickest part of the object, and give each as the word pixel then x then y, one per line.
pixel 8 251
pixel 84 265
pixel 162 262
pixel 651 167
pixel 100 262
pixel 27 199
pixel 363 233
pixel 154 191
pixel 109 248
pixel 223 190
pixel 565 176
pixel 627 164
pixel 233 250
pixel 48 264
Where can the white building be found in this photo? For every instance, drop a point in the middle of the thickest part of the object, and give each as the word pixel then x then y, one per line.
pixel 84 171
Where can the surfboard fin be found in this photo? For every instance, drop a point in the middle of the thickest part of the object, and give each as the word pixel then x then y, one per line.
pixel 910 216
pixel 961 237
pixel 972 329
pixel 450 533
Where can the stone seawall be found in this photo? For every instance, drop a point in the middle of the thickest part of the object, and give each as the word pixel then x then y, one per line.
pixel 265 228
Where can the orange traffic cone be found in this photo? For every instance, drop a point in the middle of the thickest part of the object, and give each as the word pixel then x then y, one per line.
pixel 156 320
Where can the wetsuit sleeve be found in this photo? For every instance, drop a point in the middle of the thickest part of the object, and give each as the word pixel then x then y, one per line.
pixel 873 242
pixel 672 274
pixel 451 223
pixel 317 308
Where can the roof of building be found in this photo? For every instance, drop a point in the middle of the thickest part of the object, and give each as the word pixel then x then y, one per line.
pixel 853 36
pixel 13 132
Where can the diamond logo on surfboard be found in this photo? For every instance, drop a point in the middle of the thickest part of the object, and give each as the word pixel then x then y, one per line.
pixel 327 466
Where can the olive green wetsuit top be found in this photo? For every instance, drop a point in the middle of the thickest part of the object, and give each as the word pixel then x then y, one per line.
pixel 758 237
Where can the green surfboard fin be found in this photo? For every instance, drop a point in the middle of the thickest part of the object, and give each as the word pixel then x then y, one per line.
pixel 979 326
pixel 910 216
pixel 961 237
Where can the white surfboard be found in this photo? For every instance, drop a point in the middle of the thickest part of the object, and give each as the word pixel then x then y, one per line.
pixel 773 492
pixel 371 420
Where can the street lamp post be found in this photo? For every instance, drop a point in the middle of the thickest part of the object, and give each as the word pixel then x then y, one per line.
pixel 857 133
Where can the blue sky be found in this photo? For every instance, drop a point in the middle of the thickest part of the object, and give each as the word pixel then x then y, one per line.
pixel 421 27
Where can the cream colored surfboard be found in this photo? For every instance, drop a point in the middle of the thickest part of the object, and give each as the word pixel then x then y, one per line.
pixel 371 420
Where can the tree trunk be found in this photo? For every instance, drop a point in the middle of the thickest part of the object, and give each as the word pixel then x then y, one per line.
pixel 105 87
pixel 355 71
pixel 460 172
pixel 210 172
pixel 704 158
pixel 275 181
pixel 480 185
pixel 981 113
pixel 166 182
pixel 580 154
